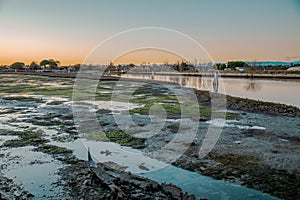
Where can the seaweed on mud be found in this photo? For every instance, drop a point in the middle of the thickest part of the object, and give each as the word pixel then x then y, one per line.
pixel 65 138
pixel 23 99
pixel 125 139
pixel 103 111
pixel 119 137
pixel 54 91
pixel 103 96
pixel 60 153
pixel 52 119
pixel 70 129
pixel 173 108
pixel 38 90
pixel 27 138
pixel 247 170
pixel 9 111
pixel 151 89
pixel 72 160
pixel 277 182
pixel 52 149
pixel 173 127
pixel 55 103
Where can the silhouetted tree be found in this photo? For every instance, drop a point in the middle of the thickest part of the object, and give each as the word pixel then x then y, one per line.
pixel 44 63
pixel 235 64
pixel 34 66
pixel 221 66
pixel 51 63
pixel 76 67
pixel 17 65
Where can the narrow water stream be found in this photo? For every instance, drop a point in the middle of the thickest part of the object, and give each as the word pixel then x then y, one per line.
pixel 191 182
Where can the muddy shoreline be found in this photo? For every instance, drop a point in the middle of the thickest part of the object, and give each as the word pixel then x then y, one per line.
pixel 249 105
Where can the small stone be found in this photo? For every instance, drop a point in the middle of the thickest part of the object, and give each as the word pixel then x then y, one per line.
pixel 17 193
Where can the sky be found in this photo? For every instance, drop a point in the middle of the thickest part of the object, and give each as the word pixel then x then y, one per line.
pixel 68 30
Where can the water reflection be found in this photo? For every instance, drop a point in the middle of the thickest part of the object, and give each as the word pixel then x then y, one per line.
pixel 252 87
pixel 259 89
pixel 184 81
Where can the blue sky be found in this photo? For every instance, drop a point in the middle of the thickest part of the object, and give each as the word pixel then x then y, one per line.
pixel 228 29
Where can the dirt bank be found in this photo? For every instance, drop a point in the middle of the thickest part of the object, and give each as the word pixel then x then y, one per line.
pixel 249 105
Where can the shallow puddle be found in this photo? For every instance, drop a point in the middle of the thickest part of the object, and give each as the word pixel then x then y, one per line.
pixel 35 171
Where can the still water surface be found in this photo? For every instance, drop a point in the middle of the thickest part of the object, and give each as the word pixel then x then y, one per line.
pixel 278 91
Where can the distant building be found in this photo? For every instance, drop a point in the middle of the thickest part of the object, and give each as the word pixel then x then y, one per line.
pixel 241 69
pixel 293 69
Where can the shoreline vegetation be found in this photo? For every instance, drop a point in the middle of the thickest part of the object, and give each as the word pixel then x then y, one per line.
pixel 238 165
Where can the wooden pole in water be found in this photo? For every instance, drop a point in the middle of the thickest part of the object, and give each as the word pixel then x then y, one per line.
pixel 216 82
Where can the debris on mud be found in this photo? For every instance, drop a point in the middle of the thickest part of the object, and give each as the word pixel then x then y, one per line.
pixel 115 184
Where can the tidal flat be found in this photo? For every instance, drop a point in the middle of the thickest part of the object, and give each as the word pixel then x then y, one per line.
pixel 259 146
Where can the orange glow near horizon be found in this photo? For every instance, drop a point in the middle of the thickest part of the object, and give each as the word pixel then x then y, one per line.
pixel 136 57
pixel 220 51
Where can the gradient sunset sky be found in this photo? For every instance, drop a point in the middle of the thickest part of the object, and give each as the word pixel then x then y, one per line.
pixel 67 30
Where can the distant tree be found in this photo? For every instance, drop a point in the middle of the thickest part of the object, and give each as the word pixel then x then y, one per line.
pixel 34 66
pixel 17 65
pixel 44 63
pixel 76 67
pixel 221 66
pixel 2 67
pixel 235 64
pixel 183 66
pixel 51 63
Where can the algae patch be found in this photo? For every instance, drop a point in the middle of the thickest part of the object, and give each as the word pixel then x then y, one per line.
pixel 51 149
pixel 23 99
pixel 26 138
pixel 119 137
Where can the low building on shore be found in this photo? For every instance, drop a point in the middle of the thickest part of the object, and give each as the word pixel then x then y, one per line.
pixel 293 69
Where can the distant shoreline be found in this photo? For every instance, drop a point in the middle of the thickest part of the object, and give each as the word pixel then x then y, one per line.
pixel 230 75
pixel 205 74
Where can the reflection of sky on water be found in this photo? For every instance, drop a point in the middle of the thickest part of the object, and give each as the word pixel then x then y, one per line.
pixel 279 91
pixel 36 171
pixel 132 160
pixel 286 92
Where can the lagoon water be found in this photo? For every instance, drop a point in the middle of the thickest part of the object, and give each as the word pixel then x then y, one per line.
pixel 205 187
pixel 278 91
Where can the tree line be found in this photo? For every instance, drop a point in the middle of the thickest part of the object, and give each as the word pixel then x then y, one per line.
pixel 46 64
